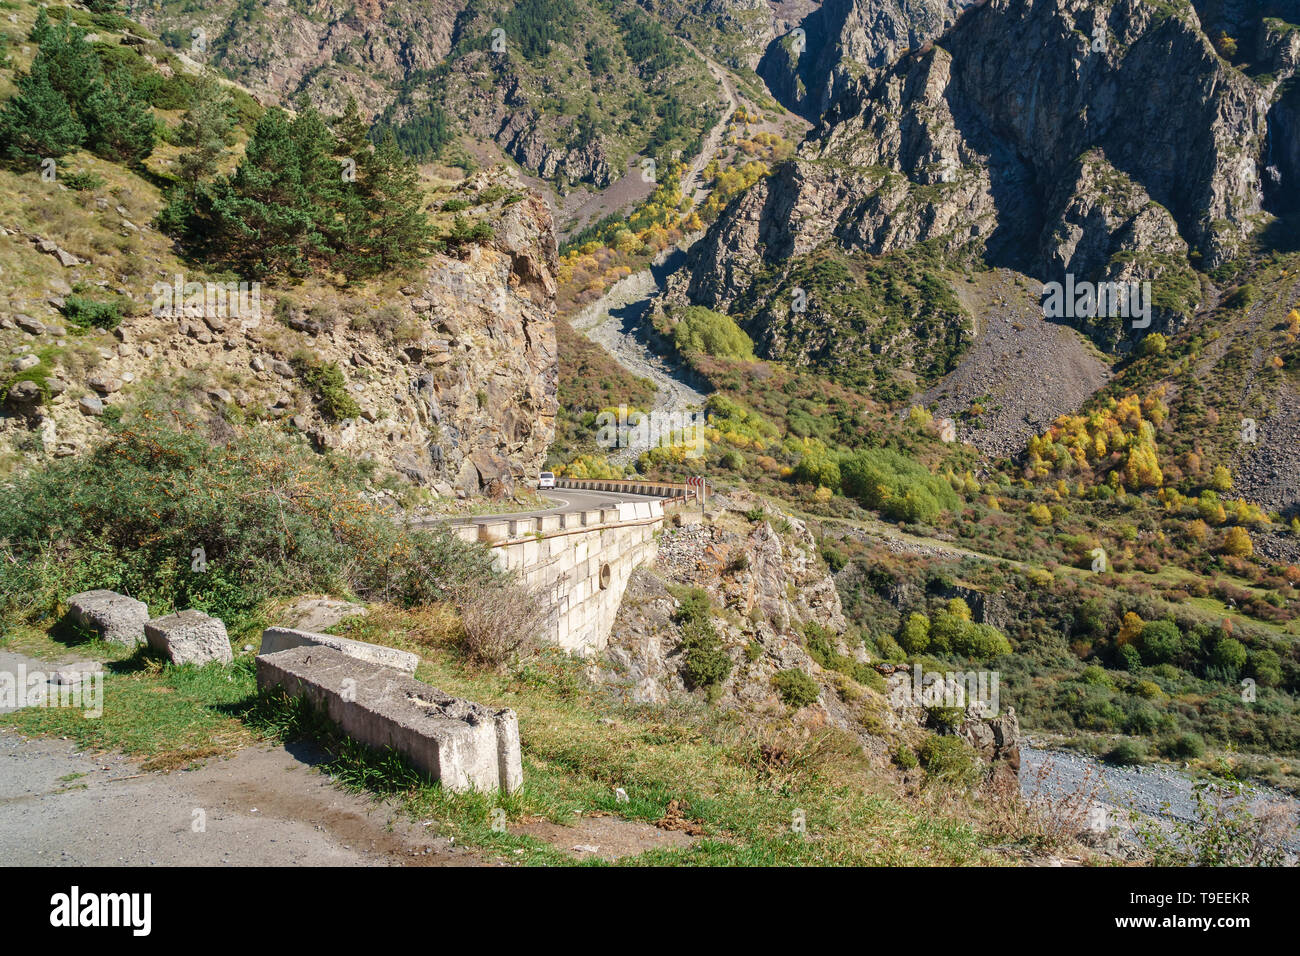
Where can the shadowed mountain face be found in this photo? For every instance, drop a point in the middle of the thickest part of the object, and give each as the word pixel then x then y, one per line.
pixel 807 68
pixel 1112 143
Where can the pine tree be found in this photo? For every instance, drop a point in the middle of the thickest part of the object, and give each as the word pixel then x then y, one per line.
pixel 206 128
pixel 308 195
pixel 37 121
pixel 66 101
pixel 401 233
pixel 74 69
pixel 119 124
pixel 274 214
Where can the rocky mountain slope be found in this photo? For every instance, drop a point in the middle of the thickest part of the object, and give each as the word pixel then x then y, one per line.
pixel 444 372
pixel 571 90
pixel 452 375
pixel 844 39
pixel 1121 173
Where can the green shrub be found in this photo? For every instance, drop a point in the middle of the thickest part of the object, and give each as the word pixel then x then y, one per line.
pixel 87 313
pixel 895 485
pixel 705 663
pixel 905 757
pixel 1160 641
pixel 945 719
pixel 326 380
pixel 1185 747
pixel 1229 655
pixel 732 461
pixel 888 648
pixel 1092 674
pixel 981 642
pixel 702 331
pixel 796 688
pixel 1147 689
pixel 693 605
pixel 914 636
pixel 270 518
pixel 820 470
pixel 1266 667
pixel 949 760
pixel 81 181
pixel 1127 753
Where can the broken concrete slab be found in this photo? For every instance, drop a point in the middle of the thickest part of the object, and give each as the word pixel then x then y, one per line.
pixel 282 638
pixel 115 617
pixel 460 744
pixel 189 637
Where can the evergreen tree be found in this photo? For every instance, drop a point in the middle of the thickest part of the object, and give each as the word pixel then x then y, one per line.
pixel 398 232
pixel 37 122
pixel 74 69
pixel 206 128
pixel 309 194
pixel 66 101
pixel 273 214
pixel 119 124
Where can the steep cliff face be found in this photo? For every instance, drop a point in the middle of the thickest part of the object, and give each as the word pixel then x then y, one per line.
pixel 843 39
pixel 1052 135
pixel 478 410
pixel 279 49
pixel 775 610
pixel 569 89
pixel 449 380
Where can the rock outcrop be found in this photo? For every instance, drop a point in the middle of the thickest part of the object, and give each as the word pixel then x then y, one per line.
pixel 449 381
pixel 766 585
pixel 1047 135
pixel 841 40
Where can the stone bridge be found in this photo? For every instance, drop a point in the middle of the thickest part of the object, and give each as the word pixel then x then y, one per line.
pixel 581 556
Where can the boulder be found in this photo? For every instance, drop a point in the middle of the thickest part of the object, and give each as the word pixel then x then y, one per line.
pixel 115 617
pixel 25 393
pixel 316 614
pixel 28 324
pixel 189 637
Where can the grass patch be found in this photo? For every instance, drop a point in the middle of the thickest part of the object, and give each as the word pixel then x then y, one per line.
pixel 742 789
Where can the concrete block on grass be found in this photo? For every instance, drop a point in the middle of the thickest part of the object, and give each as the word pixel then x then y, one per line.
pixel 115 617
pixel 189 637
pixel 461 744
pixel 275 639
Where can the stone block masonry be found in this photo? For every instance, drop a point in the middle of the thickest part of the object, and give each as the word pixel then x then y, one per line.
pixel 282 638
pixel 460 744
pixel 580 561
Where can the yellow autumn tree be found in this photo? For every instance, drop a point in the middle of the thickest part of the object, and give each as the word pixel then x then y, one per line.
pixel 1237 542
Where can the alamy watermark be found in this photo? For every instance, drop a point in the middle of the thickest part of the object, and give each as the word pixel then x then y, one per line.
pixel 207 300
pixel 74 689
pixel 975 691
pixel 626 428
pixel 1087 300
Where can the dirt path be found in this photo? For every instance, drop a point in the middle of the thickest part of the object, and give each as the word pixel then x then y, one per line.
pixel 262 807
pixel 692 180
